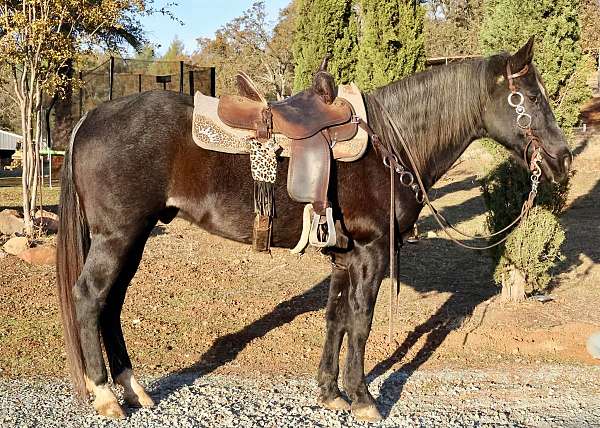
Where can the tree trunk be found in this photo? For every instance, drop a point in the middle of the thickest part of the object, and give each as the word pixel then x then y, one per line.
pixel 25 161
pixel 29 106
pixel 513 285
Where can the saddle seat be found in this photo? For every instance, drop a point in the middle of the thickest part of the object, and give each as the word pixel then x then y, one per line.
pixel 298 117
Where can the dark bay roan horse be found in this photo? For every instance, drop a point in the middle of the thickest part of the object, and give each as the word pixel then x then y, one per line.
pixel 133 163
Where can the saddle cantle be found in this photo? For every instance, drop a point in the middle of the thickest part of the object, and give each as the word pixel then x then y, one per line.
pixel 314 121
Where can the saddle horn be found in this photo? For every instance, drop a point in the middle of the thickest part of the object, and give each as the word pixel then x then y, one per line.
pixel 325 63
pixel 323 82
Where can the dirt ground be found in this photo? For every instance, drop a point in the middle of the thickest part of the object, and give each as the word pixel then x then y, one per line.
pixel 201 302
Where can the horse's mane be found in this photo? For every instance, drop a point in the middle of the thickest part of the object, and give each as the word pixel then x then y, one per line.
pixel 437 110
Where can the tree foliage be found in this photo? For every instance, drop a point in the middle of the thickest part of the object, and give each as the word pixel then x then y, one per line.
pixel 391 42
pixel 249 44
pixel 589 18
pixel 559 55
pixel 372 42
pixel 39 39
pixel 325 27
pixel 452 27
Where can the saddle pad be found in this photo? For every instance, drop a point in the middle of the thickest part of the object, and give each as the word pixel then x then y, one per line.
pixel 210 133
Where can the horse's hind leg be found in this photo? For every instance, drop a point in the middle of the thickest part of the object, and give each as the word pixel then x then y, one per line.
pixel 112 333
pixel 105 263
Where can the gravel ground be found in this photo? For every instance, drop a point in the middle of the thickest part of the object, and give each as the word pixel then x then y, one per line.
pixel 540 397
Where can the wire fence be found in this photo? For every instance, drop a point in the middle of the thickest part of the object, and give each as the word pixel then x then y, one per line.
pixel 119 77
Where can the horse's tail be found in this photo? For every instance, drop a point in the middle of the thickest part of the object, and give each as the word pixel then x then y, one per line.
pixel 73 243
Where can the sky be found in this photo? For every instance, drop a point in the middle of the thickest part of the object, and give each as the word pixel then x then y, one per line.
pixel 201 18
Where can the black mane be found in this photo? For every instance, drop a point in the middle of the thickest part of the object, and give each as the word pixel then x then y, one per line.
pixel 438 111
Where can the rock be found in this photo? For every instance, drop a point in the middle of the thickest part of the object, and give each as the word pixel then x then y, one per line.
pixel 43 255
pixel 46 220
pixel 593 345
pixel 16 246
pixel 14 213
pixel 10 223
pixel 46 214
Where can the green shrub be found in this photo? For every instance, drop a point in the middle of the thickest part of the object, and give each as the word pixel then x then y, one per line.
pixel 534 246
pixel 533 249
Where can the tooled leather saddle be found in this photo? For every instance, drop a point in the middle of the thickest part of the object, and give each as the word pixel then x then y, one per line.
pixel 315 120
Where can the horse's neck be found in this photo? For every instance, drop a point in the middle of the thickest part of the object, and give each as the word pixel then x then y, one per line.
pixel 441 161
pixel 439 113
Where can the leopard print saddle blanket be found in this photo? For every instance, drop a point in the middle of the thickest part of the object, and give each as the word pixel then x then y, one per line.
pixel 211 133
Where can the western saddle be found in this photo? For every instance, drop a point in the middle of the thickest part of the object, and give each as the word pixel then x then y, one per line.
pixel 315 120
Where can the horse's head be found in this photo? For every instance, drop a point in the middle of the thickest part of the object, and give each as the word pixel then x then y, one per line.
pixel 518 115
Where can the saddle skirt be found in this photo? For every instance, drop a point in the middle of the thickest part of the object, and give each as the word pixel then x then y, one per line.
pixel 211 133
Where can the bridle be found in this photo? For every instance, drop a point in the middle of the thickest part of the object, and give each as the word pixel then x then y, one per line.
pixel 413 179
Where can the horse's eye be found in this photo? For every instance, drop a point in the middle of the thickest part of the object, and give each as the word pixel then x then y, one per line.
pixel 533 98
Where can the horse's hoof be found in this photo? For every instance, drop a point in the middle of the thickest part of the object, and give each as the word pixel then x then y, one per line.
pixel 110 410
pixel 338 403
pixel 134 394
pixel 140 400
pixel 366 413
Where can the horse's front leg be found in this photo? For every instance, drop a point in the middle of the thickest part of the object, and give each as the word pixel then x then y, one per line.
pixel 337 308
pixel 367 270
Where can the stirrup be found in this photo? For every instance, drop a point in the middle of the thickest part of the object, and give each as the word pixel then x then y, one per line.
pixel 322 234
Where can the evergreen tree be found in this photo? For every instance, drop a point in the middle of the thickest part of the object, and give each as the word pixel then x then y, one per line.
pixel 391 43
pixel 559 56
pixel 534 247
pixel 325 27
pixel 372 42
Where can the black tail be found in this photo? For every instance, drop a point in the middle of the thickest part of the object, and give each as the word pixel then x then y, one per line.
pixel 73 243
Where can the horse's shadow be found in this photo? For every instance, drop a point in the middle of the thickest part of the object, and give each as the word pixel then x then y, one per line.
pixel 460 305
pixel 226 348
pixel 468 288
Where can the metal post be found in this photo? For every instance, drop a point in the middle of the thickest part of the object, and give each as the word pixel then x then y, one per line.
pixel 111 80
pixel 213 82
pixel 139 83
pixel 181 66
pixel 191 77
pixel 50 168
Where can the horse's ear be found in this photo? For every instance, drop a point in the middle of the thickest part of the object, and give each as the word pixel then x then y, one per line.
pixel 523 57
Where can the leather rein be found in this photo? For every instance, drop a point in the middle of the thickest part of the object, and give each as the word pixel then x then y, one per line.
pixel 413 180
